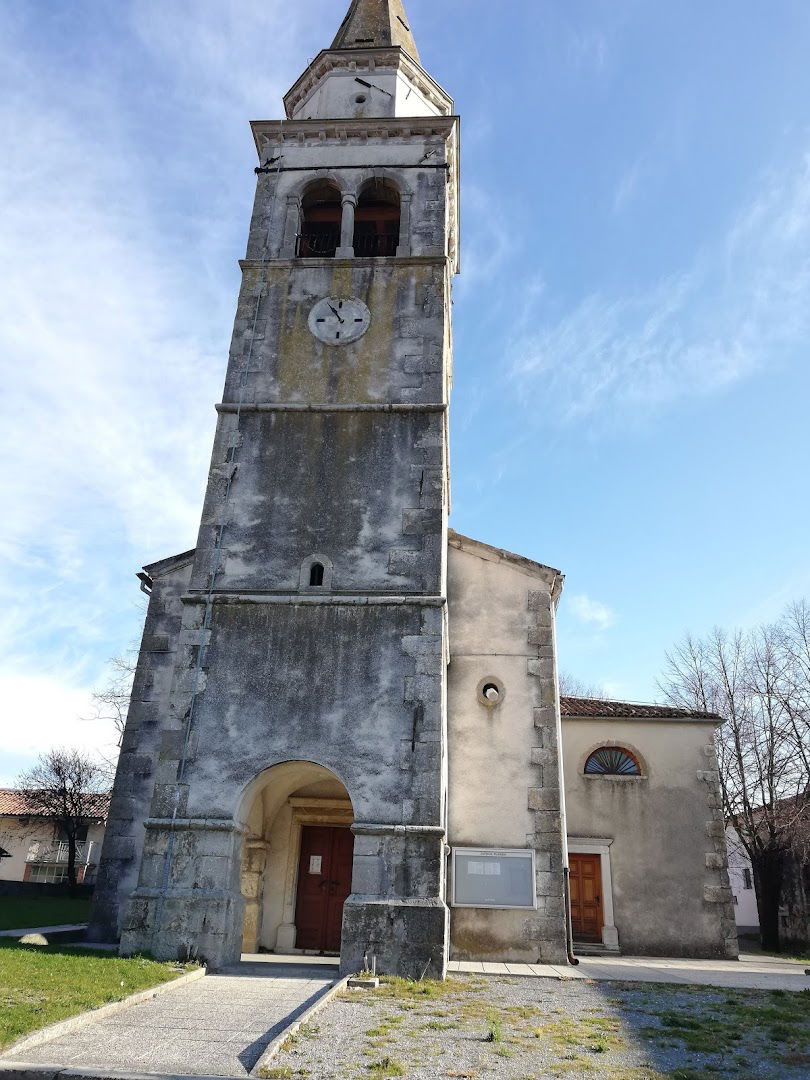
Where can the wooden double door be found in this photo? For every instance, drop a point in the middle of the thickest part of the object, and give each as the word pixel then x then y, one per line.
pixel 585 883
pixel 324 882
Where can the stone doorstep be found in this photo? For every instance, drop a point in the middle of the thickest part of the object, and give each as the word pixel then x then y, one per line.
pixel 273 1048
pixel 73 1023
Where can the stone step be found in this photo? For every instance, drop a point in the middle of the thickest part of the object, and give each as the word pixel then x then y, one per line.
pixel 593 948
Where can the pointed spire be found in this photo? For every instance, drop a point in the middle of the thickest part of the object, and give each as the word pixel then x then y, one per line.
pixel 376 24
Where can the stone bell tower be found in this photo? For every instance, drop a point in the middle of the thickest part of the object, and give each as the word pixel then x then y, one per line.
pixel 313 616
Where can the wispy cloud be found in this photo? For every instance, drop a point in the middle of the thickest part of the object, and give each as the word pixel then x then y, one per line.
pixel 740 305
pixel 114 318
pixel 630 181
pixel 591 612
pixel 587 49
pixel 488 236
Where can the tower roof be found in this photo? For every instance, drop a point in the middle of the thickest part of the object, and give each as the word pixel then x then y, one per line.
pixel 374 24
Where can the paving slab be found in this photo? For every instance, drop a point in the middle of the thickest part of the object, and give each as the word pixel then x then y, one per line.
pixel 752 971
pixel 217 1026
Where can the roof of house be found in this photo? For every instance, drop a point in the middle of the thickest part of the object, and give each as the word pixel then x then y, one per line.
pixel 628 710
pixel 14 803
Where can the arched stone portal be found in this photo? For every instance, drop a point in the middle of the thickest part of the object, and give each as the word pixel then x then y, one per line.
pixel 296 858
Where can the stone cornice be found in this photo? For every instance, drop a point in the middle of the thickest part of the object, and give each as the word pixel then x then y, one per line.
pixel 393 260
pixel 366 127
pixel 309 600
pixel 369 61
pixel 331 407
pixel 199 824
pixel 361 828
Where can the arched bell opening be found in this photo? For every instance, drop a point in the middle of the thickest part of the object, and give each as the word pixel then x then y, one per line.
pixel 321 211
pixel 296 859
pixel 377 219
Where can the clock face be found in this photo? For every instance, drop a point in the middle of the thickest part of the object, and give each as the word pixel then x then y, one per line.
pixel 339 322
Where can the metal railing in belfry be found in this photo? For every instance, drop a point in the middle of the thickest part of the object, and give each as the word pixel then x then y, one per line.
pixel 318 245
pixel 375 245
pixel 323 245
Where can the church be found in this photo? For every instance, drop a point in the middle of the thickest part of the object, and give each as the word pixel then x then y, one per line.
pixel 346 734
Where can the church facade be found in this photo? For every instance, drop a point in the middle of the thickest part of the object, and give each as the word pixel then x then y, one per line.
pixel 345 733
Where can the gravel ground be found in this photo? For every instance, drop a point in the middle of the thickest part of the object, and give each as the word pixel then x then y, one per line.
pixel 517 1029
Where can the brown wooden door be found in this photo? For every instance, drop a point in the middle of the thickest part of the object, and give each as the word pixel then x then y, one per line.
pixel 324 882
pixel 586 897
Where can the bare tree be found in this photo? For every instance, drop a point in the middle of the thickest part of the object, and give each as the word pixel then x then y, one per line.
pixel 571 686
pixel 66 786
pixel 111 702
pixel 758 681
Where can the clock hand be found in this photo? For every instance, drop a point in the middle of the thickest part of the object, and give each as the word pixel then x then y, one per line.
pixel 335 312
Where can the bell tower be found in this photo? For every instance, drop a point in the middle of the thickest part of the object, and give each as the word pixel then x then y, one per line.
pixel 314 624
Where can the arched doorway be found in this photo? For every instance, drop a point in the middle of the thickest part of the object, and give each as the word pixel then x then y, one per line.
pixel 296 859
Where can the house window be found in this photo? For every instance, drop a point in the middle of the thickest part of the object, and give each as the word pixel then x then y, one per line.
pixel 49 874
pixel 612 761
pixel 319 236
pixel 747 882
pixel 376 219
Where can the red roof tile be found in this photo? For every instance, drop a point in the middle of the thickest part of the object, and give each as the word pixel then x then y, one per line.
pixel 14 804
pixel 628 710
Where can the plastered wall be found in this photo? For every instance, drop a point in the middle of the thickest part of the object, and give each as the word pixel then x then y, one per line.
pixel 668 863
pixel 503 764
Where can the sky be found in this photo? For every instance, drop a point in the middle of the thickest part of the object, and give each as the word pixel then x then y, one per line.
pixel 631 321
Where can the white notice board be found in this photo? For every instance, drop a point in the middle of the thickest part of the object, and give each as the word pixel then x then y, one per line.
pixel 493 877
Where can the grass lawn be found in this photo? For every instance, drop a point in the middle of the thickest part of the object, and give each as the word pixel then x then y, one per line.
pixel 20 912
pixel 518 1029
pixel 42 984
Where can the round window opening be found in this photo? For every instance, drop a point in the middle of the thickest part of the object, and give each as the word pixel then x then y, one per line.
pixel 490 692
pixel 360 99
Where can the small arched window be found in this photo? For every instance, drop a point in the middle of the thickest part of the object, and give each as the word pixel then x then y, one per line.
pixel 376 219
pixel 612 761
pixel 320 221
pixel 316 575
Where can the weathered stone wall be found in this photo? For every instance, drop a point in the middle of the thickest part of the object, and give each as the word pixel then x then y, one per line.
pixel 340 452
pixel 147 718
pixel 504 788
pixel 668 861
pixel 331 682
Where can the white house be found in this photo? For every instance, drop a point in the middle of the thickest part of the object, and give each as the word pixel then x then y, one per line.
pixel 32 847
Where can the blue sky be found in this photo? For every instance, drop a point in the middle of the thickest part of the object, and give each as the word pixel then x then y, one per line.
pixel 631 324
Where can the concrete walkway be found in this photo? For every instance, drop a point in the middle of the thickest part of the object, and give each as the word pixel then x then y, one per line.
pixel 751 971
pixel 216 1026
